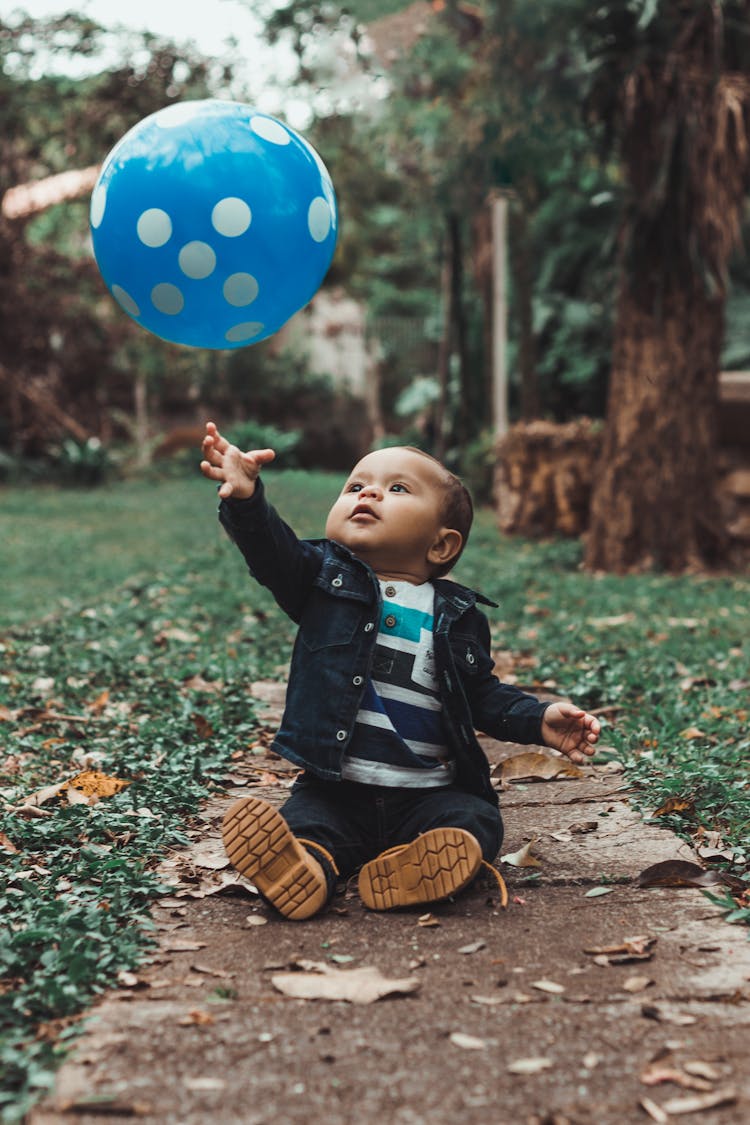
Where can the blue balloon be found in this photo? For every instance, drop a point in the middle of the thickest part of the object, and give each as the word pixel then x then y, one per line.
pixel 213 223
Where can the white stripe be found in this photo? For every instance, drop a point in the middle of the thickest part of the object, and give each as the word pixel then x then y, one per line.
pixel 401 644
pixel 375 719
pixel 405 695
pixel 377 773
pixel 425 749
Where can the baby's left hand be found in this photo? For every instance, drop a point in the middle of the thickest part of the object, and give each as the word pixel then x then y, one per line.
pixel 570 730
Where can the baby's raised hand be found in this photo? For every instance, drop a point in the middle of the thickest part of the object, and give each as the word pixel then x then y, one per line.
pixel 224 462
pixel 570 730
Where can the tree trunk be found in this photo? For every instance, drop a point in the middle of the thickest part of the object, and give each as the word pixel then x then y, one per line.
pixel 654 503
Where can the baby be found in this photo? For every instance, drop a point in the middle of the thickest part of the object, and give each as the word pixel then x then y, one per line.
pixel 390 675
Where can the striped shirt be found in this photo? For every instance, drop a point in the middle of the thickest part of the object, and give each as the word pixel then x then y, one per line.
pixel 398 737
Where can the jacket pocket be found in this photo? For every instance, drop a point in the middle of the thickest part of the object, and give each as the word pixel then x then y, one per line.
pixel 328 622
pixel 467 654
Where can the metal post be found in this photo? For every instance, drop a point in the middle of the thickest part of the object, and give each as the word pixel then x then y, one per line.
pixel 499 207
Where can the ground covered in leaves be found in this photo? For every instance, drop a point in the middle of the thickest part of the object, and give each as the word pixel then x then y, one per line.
pixel 114 671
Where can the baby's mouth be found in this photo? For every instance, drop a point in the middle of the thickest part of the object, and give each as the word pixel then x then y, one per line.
pixel 363 510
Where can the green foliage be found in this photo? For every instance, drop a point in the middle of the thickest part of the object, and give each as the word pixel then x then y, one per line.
pixel 82 462
pixel 664 657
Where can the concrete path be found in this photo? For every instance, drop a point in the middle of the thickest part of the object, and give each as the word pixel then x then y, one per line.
pixel 567 1008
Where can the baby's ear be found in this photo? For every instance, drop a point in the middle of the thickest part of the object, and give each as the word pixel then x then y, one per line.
pixel 447 546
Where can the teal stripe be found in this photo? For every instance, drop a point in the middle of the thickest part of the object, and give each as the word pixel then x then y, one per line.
pixel 409 622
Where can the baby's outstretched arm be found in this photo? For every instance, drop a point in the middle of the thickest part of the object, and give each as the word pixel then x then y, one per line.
pixel 236 470
pixel 572 731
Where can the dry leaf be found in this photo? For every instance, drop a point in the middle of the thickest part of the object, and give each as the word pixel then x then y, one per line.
pixel 207 1083
pixel 667 1015
pixel 657 1072
pixel 523 857
pixel 473 947
pixel 692 732
pixel 639 948
pixel 197 1018
pixel 209 854
pixel 677 1106
pixel 677 873
pixel 208 971
pixel 358 986
pixel 7 845
pixel 534 766
pixel 529 1066
pixel 675 805
pixel 428 920
pixel 547 986
pixel 100 702
pixel 702 1069
pixel 468 1042
pixel 177 946
pixel 655 1112
pixel 636 984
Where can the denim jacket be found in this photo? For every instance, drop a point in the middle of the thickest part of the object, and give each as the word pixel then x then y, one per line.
pixel 335 599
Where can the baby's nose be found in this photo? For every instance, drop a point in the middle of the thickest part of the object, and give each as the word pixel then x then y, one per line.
pixel 373 491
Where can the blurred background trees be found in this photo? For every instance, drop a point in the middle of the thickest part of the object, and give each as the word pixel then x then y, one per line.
pixel 618 135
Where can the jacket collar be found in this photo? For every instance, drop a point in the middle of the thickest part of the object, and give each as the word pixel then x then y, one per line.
pixel 459 597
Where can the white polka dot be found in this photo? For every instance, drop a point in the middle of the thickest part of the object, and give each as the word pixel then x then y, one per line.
pixel 240 289
pixel 231 216
pixel 270 130
pixel 244 331
pixel 167 299
pixel 319 219
pixel 197 260
pixel 125 300
pixel 154 227
pixel 177 114
pixel 98 205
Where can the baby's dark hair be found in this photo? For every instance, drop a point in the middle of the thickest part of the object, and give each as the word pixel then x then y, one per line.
pixel 458 508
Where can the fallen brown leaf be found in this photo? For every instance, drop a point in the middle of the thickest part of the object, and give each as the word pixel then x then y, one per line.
pixel 657 1072
pixel 197 1018
pixel 468 1042
pixel 534 766
pixel 547 986
pixel 675 805
pixel 428 920
pixel 677 873
pixel 532 1065
pixel 638 948
pixel 357 986
pixel 654 1111
pixel 677 1106
pixel 523 857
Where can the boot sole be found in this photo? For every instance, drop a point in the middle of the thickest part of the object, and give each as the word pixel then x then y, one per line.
pixel 434 866
pixel 261 846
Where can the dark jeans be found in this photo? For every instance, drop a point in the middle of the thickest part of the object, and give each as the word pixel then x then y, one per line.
pixel 356 822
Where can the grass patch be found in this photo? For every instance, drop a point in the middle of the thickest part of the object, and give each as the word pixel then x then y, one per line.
pixel 128 608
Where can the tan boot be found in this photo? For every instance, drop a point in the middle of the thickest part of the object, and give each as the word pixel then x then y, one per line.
pixel 435 865
pixel 262 847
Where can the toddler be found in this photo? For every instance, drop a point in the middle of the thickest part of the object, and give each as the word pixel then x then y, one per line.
pixel 390 675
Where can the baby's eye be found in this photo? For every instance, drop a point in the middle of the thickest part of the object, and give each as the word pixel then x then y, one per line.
pixel 399 488
pixel 354 487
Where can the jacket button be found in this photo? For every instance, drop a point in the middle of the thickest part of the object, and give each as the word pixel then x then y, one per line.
pixel 337 581
pixel 369 627
pixel 390 591
pixel 357 681
pixel 390 621
pixel 340 735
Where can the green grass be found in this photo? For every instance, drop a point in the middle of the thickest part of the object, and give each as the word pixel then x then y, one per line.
pixel 134 591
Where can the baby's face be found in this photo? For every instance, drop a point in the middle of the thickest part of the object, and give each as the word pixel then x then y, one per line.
pixel 389 513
